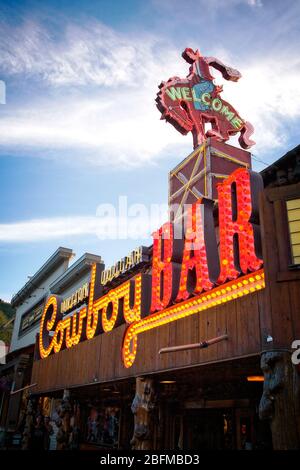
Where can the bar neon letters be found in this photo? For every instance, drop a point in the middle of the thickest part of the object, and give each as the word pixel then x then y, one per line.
pixel 189 274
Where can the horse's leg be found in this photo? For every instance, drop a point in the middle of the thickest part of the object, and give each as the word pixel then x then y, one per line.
pixel 215 130
pixel 198 137
pixel 198 131
pixel 244 138
pixel 198 127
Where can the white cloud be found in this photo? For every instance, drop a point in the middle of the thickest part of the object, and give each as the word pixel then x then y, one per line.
pixel 89 54
pixel 98 107
pixel 107 224
pixel 268 96
pixel 255 3
pixel 101 110
pixel 45 229
pixel 203 6
pixel 106 129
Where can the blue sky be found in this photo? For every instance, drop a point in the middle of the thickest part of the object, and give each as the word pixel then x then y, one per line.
pixel 80 126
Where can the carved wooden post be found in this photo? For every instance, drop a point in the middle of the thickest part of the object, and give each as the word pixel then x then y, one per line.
pixel 142 407
pixel 160 425
pixel 75 428
pixel 125 425
pixel 29 423
pixel 280 399
pixel 15 400
pixel 64 413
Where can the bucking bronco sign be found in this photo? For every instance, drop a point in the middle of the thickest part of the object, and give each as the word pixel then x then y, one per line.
pixel 189 103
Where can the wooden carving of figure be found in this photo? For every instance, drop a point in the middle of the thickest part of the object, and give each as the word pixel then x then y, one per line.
pixel 64 413
pixel 62 438
pixel 280 400
pixel 142 407
pixel 29 419
pixel 75 428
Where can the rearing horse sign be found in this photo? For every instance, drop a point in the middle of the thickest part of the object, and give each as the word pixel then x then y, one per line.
pixel 189 103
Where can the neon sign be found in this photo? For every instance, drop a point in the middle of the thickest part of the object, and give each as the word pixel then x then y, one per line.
pixel 189 103
pixel 189 274
pixel 75 299
pixel 134 259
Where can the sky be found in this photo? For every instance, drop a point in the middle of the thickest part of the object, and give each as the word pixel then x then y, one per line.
pixel 80 129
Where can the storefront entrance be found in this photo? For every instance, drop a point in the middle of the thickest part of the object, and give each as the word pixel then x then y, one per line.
pixel 225 429
pixel 209 429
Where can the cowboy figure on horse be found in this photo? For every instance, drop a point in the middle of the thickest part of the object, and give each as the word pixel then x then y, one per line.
pixel 191 102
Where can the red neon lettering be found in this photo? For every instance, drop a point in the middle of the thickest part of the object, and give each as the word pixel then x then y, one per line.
pixel 195 275
pixel 239 240
pixel 162 267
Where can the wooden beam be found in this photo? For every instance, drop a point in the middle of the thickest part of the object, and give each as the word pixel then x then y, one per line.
pixel 201 345
pixel 23 388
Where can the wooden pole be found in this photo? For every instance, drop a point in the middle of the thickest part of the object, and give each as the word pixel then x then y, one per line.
pixel 143 407
pixel 22 389
pixel 280 400
pixel 201 345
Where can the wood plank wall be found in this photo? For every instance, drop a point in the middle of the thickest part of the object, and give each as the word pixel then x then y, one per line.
pixel 274 311
pixel 100 358
pixel 281 318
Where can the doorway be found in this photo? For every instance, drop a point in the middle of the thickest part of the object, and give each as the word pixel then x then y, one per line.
pixel 210 429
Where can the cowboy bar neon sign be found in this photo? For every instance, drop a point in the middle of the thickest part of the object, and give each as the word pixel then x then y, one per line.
pixel 189 274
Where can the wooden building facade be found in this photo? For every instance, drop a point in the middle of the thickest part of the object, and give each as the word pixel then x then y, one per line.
pixel 241 392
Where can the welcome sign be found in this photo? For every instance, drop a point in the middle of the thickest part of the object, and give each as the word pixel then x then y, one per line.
pixel 194 269
pixel 192 102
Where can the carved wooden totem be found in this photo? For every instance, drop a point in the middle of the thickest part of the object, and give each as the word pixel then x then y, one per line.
pixel 280 400
pixel 143 407
pixel 64 413
pixel 29 420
